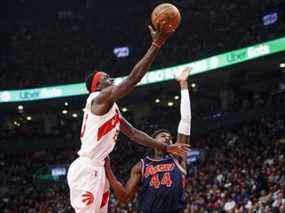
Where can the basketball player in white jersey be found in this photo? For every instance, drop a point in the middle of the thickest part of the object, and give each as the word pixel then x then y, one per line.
pixel 89 187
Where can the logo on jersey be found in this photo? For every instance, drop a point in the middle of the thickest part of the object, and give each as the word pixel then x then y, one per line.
pixel 152 170
pixel 88 198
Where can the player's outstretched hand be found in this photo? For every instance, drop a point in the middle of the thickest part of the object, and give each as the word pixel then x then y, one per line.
pixel 158 36
pixel 183 75
pixel 178 149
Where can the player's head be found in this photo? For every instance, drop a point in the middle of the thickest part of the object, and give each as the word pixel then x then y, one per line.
pixel 162 136
pixel 97 81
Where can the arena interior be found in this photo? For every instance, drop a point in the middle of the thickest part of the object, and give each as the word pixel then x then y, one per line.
pixel 237 88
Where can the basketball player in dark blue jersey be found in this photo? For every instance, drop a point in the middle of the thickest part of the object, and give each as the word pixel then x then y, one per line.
pixel 159 181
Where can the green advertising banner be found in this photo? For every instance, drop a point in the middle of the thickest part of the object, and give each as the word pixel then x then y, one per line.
pixel 200 66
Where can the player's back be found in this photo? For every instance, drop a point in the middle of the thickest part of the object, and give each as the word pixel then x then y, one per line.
pixel 99 133
pixel 162 187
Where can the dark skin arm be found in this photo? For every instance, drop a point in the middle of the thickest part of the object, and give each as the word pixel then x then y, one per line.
pixel 124 193
pixel 145 140
pixel 103 102
pixel 183 139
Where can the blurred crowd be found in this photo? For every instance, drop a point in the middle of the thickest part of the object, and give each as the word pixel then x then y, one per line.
pixel 243 171
pixel 65 47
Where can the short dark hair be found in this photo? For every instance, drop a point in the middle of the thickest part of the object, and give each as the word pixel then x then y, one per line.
pixel 157 132
pixel 88 81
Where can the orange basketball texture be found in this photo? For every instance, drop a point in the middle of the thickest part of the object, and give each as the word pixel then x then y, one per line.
pixel 167 13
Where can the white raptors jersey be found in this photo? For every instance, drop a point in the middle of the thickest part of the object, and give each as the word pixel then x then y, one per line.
pixel 99 133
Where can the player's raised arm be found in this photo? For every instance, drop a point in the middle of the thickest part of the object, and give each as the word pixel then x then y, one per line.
pixel 144 139
pixel 112 94
pixel 184 127
pixel 124 193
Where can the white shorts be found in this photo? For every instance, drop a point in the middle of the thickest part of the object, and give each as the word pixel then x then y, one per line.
pixel 89 187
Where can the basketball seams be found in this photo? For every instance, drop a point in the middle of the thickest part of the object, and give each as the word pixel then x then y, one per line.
pixel 177 16
pixel 160 14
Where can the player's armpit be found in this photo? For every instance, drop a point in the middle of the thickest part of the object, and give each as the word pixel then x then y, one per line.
pixel 106 98
pixel 115 92
pixel 123 89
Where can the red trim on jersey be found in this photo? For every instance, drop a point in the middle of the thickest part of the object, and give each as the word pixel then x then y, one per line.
pixel 108 125
pixel 105 199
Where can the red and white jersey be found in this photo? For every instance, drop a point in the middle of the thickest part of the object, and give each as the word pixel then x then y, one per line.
pixel 99 133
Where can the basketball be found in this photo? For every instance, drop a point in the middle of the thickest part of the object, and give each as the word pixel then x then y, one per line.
pixel 168 14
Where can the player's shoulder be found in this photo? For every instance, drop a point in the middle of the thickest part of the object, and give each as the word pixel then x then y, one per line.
pixel 92 103
pixel 95 96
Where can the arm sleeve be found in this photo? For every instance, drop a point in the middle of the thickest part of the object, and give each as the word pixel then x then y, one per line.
pixel 184 126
